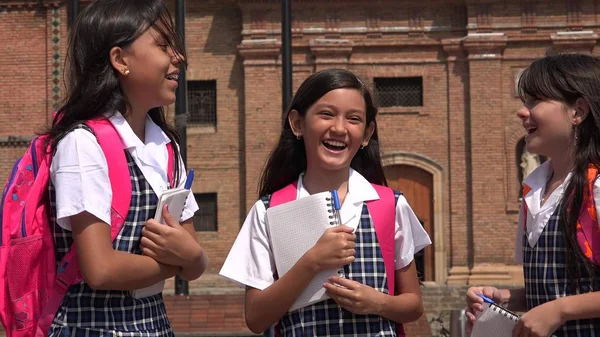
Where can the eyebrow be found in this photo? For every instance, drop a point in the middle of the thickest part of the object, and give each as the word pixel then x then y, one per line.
pixel 333 107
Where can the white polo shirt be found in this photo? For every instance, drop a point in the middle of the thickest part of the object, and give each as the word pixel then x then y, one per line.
pixel 79 171
pixel 538 215
pixel 250 261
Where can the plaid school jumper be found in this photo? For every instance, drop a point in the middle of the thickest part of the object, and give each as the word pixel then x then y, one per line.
pixel 546 277
pixel 85 312
pixel 326 318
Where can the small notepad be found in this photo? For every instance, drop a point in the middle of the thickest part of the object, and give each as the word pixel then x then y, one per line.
pixel 494 321
pixel 175 198
pixel 294 228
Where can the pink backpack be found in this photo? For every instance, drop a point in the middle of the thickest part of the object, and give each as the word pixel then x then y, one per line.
pixel 383 214
pixel 32 287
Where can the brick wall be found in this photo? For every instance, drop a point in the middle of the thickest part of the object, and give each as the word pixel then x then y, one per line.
pixel 466 52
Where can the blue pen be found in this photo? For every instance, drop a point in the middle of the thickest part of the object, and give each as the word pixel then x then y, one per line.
pixel 486 299
pixel 336 206
pixel 189 180
pixel 338 219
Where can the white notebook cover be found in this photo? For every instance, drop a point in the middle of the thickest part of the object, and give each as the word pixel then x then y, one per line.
pixel 294 228
pixel 494 321
pixel 175 198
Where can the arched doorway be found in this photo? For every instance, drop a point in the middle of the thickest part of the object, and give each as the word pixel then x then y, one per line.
pixel 416 185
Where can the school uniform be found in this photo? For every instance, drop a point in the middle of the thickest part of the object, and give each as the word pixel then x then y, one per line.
pixel 80 182
pixel 541 249
pixel 250 262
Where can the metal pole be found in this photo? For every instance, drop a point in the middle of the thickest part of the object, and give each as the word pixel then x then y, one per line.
pixel 181 285
pixel 286 53
pixel 72 12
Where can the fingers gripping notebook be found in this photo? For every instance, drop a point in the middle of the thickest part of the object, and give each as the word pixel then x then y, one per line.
pixel 294 228
pixel 494 321
pixel 175 199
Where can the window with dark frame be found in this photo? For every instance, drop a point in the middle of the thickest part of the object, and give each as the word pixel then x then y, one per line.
pixel 202 102
pixel 205 218
pixel 399 91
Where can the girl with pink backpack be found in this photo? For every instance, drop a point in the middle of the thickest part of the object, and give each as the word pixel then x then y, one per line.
pixel 329 142
pixel 111 154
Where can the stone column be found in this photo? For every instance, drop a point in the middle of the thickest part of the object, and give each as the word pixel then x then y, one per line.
pixel 486 124
pixel 457 69
pixel 261 120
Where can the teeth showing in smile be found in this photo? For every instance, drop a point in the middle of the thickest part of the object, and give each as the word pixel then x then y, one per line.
pixel 334 145
pixel 173 77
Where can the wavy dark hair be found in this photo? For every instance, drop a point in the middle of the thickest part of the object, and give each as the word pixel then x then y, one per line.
pixel 567 78
pixel 288 159
pixel 93 86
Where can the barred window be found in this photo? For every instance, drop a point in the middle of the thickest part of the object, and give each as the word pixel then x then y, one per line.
pixel 399 91
pixel 202 102
pixel 205 219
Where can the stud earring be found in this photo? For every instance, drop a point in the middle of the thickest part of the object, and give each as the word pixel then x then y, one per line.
pixel 125 71
pixel 298 136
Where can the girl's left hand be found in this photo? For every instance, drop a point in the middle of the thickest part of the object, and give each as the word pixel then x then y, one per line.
pixel 540 321
pixel 354 296
pixel 168 243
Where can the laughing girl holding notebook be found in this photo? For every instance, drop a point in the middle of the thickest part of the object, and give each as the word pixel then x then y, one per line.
pixel 329 142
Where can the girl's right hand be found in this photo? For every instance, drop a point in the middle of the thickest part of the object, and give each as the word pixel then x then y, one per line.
pixel 334 249
pixel 475 302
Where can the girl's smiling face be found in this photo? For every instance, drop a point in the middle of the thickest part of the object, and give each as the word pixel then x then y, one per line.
pixel 334 128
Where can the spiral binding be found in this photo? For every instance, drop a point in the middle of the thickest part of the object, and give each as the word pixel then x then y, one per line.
pixel 333 221
pixel 506 313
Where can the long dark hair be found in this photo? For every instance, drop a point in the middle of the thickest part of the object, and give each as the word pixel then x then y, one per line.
pixel 93 86
pixel 567 78
pixel 288 158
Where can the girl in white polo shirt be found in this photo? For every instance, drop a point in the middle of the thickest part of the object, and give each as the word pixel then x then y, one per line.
pixel 558 241
pixel 124 57
pixel 329 141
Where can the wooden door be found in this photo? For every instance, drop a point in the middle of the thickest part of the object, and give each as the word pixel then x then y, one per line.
pixel 417 187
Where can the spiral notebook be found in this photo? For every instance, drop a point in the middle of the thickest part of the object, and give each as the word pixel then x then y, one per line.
pixel 494 321
pixel 294 228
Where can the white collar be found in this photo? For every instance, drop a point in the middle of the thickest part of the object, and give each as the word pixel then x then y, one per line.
pixel 359 188
pixel 154 134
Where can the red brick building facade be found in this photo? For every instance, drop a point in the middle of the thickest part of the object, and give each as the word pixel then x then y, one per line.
pixel 445 72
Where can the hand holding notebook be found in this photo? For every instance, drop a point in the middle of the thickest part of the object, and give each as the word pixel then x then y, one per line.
pixel 175 200
pixel 294 228
pixel 494 321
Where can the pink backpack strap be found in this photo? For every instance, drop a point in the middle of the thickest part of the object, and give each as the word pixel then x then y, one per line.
pixel 286 194
pixel 171 165
pixel 383 215
pixel 118 172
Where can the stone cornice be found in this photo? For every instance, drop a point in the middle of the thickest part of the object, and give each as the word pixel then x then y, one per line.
pixel 485 45
pixel 453 47
pixel 330 47
pixel 576 41
pixel 263 51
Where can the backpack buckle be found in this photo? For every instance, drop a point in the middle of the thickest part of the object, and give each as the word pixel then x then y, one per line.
pixel 66 275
